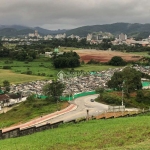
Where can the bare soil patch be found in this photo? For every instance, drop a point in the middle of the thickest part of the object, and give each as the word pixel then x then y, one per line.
pixel 104 56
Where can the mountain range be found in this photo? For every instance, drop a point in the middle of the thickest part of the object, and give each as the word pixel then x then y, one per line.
pixel 132 30
pixel 16 30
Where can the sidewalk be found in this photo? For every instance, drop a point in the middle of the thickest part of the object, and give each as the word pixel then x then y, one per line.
pixel 41 119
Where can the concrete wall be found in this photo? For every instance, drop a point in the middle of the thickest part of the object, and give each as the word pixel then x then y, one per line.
pixel 17 132
pixel 11 133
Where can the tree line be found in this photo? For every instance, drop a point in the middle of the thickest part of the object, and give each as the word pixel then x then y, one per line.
pixel 66 60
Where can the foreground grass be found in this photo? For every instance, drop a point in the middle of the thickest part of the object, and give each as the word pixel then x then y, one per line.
pixel 123 133
pixel 27 111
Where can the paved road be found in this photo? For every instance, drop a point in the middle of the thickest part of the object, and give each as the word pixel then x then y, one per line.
pixel 41 119
pixel 83 104
pixel 76 110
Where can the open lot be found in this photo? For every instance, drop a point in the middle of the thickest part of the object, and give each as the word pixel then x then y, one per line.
pixel 105 56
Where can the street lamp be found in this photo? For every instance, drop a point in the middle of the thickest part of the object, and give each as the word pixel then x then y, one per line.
pixel 87 117
pixel 122 92
pixel 122 95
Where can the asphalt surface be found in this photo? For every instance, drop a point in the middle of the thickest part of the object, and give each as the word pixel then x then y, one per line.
pixel 83 104
pixel 77 109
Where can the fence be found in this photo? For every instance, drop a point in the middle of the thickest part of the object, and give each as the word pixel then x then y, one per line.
pixel 77 95
pixel 146 84
pixel 67 98
pixel 116 108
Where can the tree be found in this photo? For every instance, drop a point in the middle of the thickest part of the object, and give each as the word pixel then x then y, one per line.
pixel 6 85
pixel 117 61
pixel 129 79
pixel 139 96
pixel 100 91
pixel 54 90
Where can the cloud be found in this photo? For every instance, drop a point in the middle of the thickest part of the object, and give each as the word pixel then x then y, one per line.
pixel 63 14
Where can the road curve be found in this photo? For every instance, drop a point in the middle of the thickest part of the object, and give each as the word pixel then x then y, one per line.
pixel 83 104
pixel 77 109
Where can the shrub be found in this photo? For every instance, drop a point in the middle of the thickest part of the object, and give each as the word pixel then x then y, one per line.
pixel 51 75
pixel 29 72
pixel 26 62
pixel 6 67
pixel 43 74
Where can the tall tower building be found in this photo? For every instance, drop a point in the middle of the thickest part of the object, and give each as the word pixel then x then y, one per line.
pixel 36 33
pixel 122 37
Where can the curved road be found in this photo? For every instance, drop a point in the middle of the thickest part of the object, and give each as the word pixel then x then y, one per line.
pixel 83 104
pixel 76 110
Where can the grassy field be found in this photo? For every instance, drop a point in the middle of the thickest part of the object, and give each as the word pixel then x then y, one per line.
pixel 38 66
pixel 41 68
pixel 17 78
pixel 141 53
pixel 67 48
pixel 112 134
pixel 28 110
pixel 92 67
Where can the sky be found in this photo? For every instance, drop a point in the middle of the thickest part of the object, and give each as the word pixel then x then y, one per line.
pixel 69 14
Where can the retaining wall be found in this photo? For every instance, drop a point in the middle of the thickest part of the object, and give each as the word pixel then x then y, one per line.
pixel 27 131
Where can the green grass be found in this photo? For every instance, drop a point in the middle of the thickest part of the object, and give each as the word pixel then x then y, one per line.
pixel 17 78
pixel 92 67
pixel 117 134
pixel 26 111
pixel 140 53
pixel 67 48
pixel 40 66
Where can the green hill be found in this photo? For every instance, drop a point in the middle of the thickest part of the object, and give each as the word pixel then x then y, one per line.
pixel 112 134
pixel 116 28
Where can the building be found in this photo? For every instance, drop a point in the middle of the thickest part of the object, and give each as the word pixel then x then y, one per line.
pixel 89 37
pixel 122 37
pixel 35 34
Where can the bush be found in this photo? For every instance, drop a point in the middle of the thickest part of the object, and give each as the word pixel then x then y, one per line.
pixel 92 61
pixel 29 72
pixel 26 62
pixel 8 62
pixel 43 74
pixel 6 67
pixel 117 61
pixel 51 75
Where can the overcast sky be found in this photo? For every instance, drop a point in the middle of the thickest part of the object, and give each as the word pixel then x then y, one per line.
pixel 67 14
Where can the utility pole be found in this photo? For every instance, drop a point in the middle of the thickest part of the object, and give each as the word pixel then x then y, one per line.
pixel 87 117
pixel 122 96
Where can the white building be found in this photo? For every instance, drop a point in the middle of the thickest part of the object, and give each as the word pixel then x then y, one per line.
pixel 122 37
pixel 89 37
